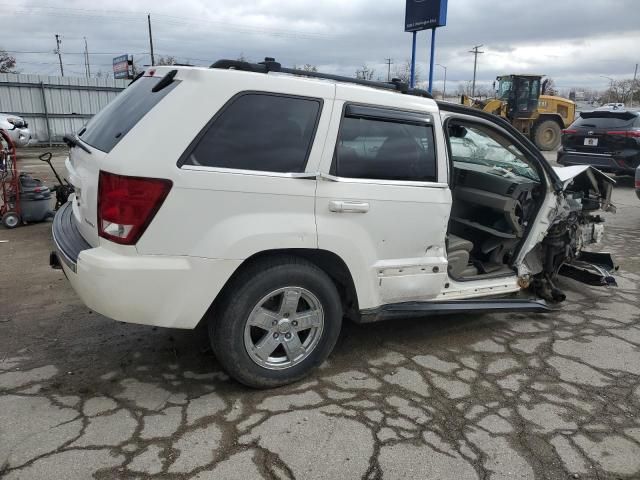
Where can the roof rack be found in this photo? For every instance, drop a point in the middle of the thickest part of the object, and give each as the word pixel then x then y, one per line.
pixel 270 65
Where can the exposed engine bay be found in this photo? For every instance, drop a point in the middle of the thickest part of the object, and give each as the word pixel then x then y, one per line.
pixel 500 204
pixel 576 223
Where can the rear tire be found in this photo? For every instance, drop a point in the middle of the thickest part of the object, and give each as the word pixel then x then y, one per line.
pixel 11 219
pixel 278 320
pixel 547 135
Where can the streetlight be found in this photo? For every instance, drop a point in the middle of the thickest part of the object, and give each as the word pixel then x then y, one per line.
pixel 610 85
pixel 444 86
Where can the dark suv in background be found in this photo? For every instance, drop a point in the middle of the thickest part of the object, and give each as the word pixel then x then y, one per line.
pixel 606 139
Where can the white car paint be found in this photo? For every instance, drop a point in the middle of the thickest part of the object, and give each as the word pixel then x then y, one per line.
pixel 21 135
pixel 215 218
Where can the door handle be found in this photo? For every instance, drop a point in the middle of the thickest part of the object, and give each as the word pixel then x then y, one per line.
pixel 345 206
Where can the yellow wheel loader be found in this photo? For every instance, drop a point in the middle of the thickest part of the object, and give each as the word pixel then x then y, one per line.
pixel 518 99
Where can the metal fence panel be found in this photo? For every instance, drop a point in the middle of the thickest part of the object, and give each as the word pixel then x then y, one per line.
pixel 54 106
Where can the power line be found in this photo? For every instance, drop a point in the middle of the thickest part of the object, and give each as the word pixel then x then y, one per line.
pixel 135 16
pixel 46 52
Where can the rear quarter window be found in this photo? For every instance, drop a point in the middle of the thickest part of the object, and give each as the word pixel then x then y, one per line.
pixel 261 132
pixel 114 121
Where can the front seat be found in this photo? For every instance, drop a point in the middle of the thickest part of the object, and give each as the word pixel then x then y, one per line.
pixel 458 253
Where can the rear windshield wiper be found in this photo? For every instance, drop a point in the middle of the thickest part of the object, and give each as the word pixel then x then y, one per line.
pixel 72 141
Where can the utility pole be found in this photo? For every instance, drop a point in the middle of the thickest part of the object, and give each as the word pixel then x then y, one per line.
pixel 153 61
pixel 58 42
pixel 444 86
pixel 388 61
pixel 87 67
pixel 633 85
pixel 475 52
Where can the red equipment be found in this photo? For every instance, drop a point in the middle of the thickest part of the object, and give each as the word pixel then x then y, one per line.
pixel 10 211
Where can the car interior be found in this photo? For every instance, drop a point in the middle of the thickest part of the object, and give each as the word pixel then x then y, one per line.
pixel 496 194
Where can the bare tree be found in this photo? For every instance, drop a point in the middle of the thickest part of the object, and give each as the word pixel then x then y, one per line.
pixel 307 67
pixel 620 91
pixel 166 60
pixel 549 87
pixel 483 91
pixel 365 72
pixel 403 72
pixel 7 62
pixel 242 58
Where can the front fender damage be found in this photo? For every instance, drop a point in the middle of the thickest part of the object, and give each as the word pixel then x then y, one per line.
pixel 575 224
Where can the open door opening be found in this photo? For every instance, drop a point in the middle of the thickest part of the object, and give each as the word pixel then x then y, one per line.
pixel 497 193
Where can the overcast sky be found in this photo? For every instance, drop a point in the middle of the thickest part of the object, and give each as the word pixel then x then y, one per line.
pixel 573 41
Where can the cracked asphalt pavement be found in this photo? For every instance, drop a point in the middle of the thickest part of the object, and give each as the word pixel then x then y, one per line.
pixel 507 396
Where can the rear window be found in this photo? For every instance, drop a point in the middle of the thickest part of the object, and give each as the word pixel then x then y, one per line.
pixel 604 121
pixel 114 121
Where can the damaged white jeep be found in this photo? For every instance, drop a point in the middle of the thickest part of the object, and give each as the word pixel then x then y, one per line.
pixel 269 203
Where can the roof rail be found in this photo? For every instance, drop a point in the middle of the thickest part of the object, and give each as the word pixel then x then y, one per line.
pixel 270 65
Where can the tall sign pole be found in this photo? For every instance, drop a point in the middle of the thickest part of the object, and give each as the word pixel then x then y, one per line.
pixel 424 15
pixel 432 58
pixel 412 79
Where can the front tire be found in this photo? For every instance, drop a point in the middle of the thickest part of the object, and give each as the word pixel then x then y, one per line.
pixel 277 320
pixel 547 135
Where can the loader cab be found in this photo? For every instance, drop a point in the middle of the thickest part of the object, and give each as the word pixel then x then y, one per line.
pixel 521 92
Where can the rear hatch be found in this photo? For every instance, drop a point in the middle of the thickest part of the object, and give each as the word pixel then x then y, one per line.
pixel 101 134
pixel 601 132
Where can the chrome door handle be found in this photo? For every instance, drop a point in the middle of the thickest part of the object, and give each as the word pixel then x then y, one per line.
pixel 344 206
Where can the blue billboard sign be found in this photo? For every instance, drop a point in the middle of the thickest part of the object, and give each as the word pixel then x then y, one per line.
pixel 425 14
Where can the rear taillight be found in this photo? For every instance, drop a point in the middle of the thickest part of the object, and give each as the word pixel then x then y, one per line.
pixel 625 133
pixel 567 131
pixel 126 205
pixel 637 183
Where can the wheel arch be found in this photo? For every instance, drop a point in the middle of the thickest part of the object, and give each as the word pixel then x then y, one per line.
pixel 327 261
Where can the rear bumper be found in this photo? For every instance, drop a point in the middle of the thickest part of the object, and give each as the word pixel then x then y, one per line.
pixel 157 290
pixel 606 163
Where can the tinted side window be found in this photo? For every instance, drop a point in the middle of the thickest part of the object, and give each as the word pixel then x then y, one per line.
pixel 386 150
pixel 260 132
pixel 115 120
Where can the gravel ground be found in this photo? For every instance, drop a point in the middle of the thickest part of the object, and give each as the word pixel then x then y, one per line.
pixel 508 396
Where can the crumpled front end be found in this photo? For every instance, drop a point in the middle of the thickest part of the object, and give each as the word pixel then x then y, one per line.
pixel 576 225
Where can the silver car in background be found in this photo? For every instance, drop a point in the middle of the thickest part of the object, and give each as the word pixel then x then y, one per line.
pixel 17 128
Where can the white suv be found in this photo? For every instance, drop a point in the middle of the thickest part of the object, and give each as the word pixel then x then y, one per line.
pixel 271 203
